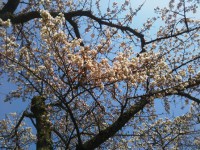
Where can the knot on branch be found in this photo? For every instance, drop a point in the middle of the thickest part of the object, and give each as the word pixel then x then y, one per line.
pixel 38 105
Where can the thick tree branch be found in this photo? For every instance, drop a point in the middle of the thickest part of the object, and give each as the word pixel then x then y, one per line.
pixel 115 127
pixel 129 114
pixel 25 17
pixel 10 7
pixel 76 30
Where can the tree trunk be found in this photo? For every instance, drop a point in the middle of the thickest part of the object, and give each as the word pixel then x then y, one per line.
pixel 44 141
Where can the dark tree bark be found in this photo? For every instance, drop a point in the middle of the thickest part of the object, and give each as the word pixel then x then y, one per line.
pixel 104 135
pixel 44 141
pixel 10 6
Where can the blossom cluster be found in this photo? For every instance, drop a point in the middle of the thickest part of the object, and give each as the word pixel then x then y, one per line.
pixel 171 134
pixel 59 56
pixel 8 132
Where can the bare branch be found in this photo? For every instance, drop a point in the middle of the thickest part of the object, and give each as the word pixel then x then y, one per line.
pixel 188 96
pixel 174 35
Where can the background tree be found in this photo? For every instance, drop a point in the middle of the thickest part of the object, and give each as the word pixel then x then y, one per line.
pixel 93 81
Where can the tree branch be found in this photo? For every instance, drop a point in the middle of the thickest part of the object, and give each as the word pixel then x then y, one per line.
pixel 10 7
pixel 59 135
pixel 174 35
pixel 18 124
pixel 25 17
pixel 188 96
pixel 76 31
pixel 125 117
pixel 185 63
pixel 74 122
pixel 104 135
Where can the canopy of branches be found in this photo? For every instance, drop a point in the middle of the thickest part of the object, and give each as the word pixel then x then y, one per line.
pixel 94 77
